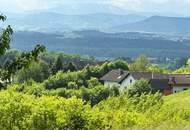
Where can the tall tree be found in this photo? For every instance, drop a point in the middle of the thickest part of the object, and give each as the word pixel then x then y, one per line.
pixel 5 37
pixel 58 65
pixel 20 62
pixel 71 67
pixel 141 64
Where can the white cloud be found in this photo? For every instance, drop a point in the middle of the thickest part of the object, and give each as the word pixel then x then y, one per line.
pixel 154 5
pixel 26 5
pixel 175 6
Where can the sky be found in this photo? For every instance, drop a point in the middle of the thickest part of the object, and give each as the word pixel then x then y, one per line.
pixel 181 7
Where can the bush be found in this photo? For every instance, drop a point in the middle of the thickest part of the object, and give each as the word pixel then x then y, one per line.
pixel 147 111
pixel 20 111
pixel 37 71
pixel 139 87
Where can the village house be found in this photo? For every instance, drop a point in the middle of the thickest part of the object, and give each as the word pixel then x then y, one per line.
pixel 123 79
pixel 166 84
pixel 179 82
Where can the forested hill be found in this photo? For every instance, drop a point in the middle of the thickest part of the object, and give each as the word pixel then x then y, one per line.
pixel 105 45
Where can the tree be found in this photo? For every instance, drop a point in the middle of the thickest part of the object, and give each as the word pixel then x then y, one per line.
pixel 139 87
pixel 38 71
pixel 141 64
pixel 118 64
pixel 93 82
pixel 70 67
pixel 5 38
pixel 58 65
pixel 23 61
pixel 188 62
pixel 108 66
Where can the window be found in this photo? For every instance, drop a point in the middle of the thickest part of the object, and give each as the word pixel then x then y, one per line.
pixel 131 80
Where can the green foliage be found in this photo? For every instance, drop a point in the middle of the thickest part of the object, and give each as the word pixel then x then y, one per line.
pixel 141 64
pixel 20 111
pixel 70 67
pixel 108 66
pixel 139 87
pixel 182 70
pixel 93 82
pixel 63 79
pixel 38 71
pixel 2 17
pixel 188 62
pixel 5 37
pixel 21 62
pixel 29 87
pixel 159 69
pixel 148 111
pixel 58 65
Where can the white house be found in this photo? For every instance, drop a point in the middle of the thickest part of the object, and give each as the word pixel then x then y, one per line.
pixel 117 78
pixel 124 79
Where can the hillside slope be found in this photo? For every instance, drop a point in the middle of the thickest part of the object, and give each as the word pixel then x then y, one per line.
pixel 179 100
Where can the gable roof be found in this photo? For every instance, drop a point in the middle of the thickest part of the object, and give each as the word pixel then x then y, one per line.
pixel 179 79
pixel 119 75
pixel 148 75
pixel 115 76
pixel 159 84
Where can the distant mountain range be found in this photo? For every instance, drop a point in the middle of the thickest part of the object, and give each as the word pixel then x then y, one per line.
pixel 159 24
pixel 51 22
pixel 55 22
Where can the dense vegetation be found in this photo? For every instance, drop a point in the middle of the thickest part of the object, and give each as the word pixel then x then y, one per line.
pixel 45 91
pixel 23 111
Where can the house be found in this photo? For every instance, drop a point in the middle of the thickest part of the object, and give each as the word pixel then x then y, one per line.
pixel 179 82
pixel 123 79
pixel 117 78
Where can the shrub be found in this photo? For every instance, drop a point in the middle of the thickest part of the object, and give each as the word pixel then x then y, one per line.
pixel 139 87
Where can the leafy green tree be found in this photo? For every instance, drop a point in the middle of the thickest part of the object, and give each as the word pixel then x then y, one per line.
pixel 93 82
pixel 23 61
pixel 70 67
pixel 72 85
pixel 5 38
pixel 58 65
pixel 117 64
pixel 139 87
pixel 141 64
pixel 38 71
pixel 188 62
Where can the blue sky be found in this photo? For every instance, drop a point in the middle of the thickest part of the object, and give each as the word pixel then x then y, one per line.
pixel 181 7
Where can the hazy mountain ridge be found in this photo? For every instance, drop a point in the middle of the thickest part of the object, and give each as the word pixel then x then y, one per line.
pixel 159 24
pixel 51 22
pixel 57 22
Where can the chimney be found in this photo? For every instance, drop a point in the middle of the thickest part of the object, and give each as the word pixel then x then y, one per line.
pixel 121 72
